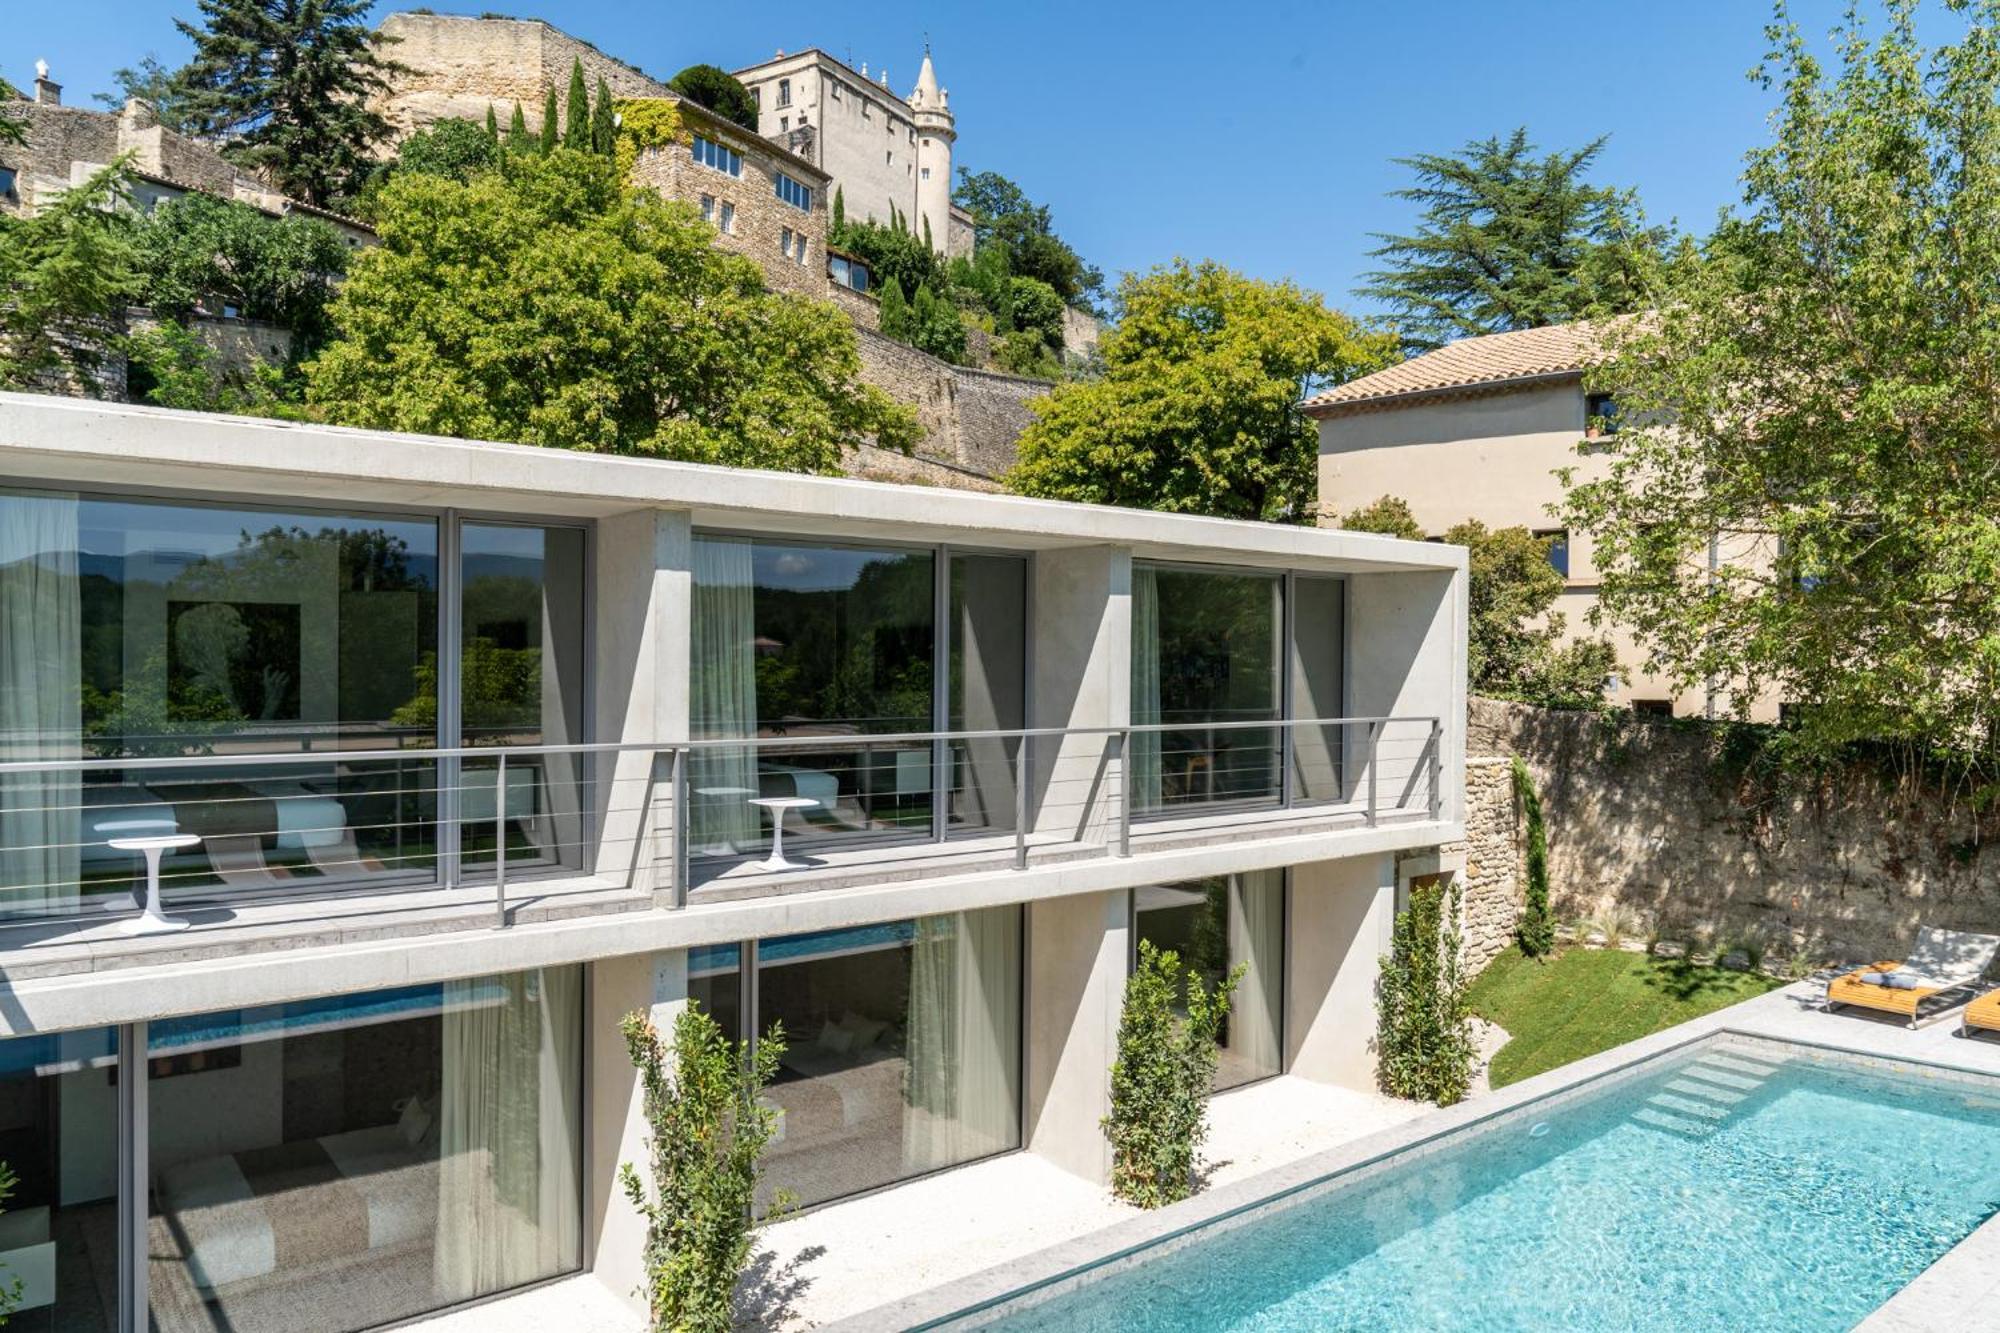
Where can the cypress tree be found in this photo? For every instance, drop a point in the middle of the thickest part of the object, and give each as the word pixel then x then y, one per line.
pixel 839 208
pixel 895 317
pixel 550 134
pixel 928 244
pixel 1536 932
pixel 576 126
pixel 492 124
pixel 517 131
pixel 603 125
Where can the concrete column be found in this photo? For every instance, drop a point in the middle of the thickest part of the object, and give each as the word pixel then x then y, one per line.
pixel 618 986
pixel 1406 636
pixel 644 601
pixel 1082 678
pixel 1340 920
pixel 1079 949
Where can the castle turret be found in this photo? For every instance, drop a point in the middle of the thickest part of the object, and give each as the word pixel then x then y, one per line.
pixel 931 108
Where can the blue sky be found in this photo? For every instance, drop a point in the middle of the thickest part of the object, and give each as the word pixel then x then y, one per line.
pixel 1259 134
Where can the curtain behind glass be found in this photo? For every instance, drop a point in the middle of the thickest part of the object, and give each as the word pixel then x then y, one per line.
pixel 722 694
pixel 964 1040
pixel 40 717
pixel 510 1120
pixel 1145 777
pixel 1257 940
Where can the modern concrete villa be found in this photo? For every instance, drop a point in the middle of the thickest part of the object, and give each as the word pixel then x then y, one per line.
pixel 353 786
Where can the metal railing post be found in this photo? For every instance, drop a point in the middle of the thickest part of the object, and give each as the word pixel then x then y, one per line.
pixel 1437 768
pixel 500 841
pixel 1374 736
pixel 1125 792
pixel 681 816
pixel 1022 770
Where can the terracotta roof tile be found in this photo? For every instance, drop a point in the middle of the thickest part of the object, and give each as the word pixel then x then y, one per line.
pixel 1469 362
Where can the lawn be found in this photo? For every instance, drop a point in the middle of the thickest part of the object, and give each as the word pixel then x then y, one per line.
pixel 1589 1000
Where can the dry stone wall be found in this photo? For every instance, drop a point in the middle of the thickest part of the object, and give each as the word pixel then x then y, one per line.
pixel 971 419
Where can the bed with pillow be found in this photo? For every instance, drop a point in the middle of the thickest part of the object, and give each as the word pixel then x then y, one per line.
pixel 850 1074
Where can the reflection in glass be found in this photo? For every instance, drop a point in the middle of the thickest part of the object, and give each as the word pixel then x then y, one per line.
pixel 521 674
pixel 715 982
pixel 903 1049
pixel 139 628
pixel 988 683
pixel 1215 924
pixel 59 1134
pixel 384 1154
pixel 827 642
pixel 1204 650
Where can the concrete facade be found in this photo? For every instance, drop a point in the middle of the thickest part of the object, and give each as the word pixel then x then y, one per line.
pixel 1405 654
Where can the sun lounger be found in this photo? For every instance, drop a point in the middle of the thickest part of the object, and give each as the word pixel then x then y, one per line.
pixel 1983 1014
pixel 1942 971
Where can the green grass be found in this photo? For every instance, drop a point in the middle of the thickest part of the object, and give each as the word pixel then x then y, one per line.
pixel 1589 1000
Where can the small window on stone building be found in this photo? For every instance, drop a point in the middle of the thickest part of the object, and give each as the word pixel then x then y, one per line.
pixel 6 182
pixel 727 220
pixel 867 110
pixel 889 158
pixel 1653 708
pixel 927 173
pixel 1557 542
pixel 784 92
pixel 785 242
pixel 1600 415
pixel 757 98
pixel 708 208
pixel 784 123
pixel 833 90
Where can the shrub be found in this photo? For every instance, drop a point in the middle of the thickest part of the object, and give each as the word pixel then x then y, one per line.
pixel 708 1130
pixel 720 92
pixel 1423 1040
pixel 1162 1077
pixel 1536 932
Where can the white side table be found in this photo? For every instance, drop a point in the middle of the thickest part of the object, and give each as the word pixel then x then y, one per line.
pixel 777 805
pixel 722 847
pixel 153 921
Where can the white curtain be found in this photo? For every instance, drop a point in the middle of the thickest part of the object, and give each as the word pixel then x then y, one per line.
pixel 722 698
pixel 1145 776
pixel 964 1040
pixel 40 709
pixel 1257 939
pixel 510 1122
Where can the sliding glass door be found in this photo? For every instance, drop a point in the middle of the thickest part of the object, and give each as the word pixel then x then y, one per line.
pixel 1217 924
pixel 59 1138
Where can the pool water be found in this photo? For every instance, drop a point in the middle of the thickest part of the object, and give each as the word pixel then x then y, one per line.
pixel 1731 1189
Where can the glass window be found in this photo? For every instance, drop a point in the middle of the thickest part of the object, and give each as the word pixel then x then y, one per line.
pixel 1204 650
pixel 708 208
pixel 383 1155
pixel 59 1135
pixel 826 642
pixel 798 195
pixel 1213 925
pixel 712 154
pixel 1557 541
pixel 1600 412
pixel 903 1049
pixel 784 92
pixel 165 629
pixel 521 683
pixel 988 685
pixel 715 982
pixel 7 181
pixel 727 221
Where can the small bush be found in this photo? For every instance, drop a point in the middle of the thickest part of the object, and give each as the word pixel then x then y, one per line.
pixel 1424 1049
pixel 1162 1078
pixel 708 1131
pixel 1536 931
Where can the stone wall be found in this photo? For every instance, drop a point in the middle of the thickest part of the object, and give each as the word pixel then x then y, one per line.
pixel 1081 332
pixel 971 419
pixel 1492 878
pixel 1660 820
pixel 762 226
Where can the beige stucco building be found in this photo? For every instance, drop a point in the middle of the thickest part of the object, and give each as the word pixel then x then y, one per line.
pixel 1478 430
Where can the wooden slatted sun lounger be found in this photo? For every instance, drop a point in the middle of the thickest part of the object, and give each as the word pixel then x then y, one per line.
pixel 1947 966
pixel 1983 1014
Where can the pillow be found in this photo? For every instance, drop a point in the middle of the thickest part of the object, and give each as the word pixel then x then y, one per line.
pixel 865 1030
pixel 835 1038
pixel 415 1122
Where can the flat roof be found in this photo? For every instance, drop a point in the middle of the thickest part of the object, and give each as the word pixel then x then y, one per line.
pixel 71 442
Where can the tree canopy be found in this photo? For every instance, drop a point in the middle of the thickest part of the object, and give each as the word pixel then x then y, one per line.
pixel 1197 408
pixel 547 304
pixel 1510 238
pixel 719 91
pixel 1803 497
pixel 285 84
pixel 1004 216
pixel 68 272
pixel 199 250
pixel 152 83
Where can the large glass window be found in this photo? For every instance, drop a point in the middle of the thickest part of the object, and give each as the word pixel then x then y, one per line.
pixel 1213 925
pixel 903 1049
pixel 1205 650
pixel 59 1136
pixel 381 1155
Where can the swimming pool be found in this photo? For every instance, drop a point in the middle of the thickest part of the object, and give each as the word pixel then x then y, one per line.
pixel 1746 1187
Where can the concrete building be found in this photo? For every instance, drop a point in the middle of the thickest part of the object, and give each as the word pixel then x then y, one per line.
pixel 882 151
pixel 430 759
pixel 1477 430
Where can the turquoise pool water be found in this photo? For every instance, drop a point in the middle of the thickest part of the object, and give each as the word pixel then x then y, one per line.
pixel 1732 1190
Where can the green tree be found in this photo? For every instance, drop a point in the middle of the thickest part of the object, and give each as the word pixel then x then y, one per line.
pixel 892 255
pixel 1162 1076
pixel 1536 930
pixel 152 83
pixel 1509 238
pixel 934 327
pixel 707 1126
pixel 492 124
pixel 1802 497
pixel 199 252
pixel 285 84
pixel 549 305
pixel 1423 1033
pixel 170 366
pixel 1004 216
pixel 1197 409
pixel 722 93
pixel 893 318
pixel 839 208
pixel 517 133
pixel 576 121
pixel 1034 307
pixel 68 271
pixel 603 122
pixel 551 126
pixel 454 149
pixel 1515 639
pixel 13 129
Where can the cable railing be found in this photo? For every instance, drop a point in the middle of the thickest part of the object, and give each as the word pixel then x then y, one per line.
pixel 720 816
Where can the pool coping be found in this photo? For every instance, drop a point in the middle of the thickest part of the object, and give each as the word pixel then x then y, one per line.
pixel 976 1300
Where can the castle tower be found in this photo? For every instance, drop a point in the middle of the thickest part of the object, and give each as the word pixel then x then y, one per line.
pixel 935 134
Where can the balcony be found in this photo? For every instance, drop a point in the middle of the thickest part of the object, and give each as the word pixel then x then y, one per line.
pixel 289 850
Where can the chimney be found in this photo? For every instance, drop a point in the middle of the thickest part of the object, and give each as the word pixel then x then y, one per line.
pixel 47 92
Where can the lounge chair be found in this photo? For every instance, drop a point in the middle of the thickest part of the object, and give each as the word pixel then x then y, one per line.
pixel 1982 1014
pixel 1942 970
